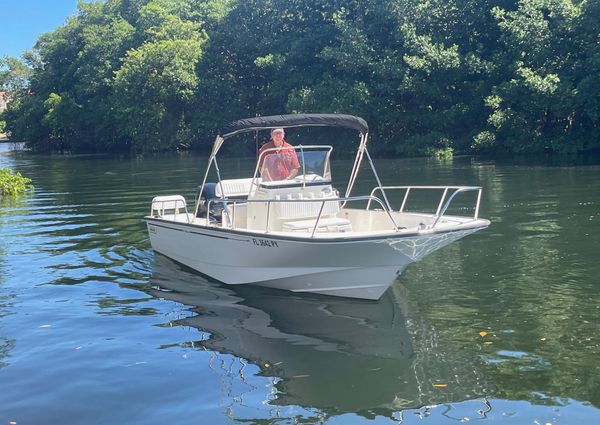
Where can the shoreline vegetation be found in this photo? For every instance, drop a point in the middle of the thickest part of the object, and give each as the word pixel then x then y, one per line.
pixel 12 184
pixel 437 78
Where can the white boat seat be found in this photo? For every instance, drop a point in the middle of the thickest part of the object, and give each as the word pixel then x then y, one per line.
pixel 331 224
pixel 169 204
pixel 234 187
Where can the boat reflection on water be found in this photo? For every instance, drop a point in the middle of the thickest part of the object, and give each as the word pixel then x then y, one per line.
pixel 333 354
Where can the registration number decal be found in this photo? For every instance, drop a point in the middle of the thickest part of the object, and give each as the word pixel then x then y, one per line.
pixel 265 242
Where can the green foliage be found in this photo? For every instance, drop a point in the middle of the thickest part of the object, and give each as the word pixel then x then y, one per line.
pixel 484 141
pixel 537 105
pixel 13 184
pixel 431 78
pixel 442 154
pixel 157 81
pixel 14 75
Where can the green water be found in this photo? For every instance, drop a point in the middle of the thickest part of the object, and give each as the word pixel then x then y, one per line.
pixel 501 326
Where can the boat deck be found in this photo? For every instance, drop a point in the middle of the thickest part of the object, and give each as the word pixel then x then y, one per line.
pixel 338 227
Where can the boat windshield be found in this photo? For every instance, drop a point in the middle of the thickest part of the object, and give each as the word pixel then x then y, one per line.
pixel 306 164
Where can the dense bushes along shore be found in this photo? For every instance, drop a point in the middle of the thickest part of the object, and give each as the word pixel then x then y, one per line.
pixel 463 75
pixel 13 184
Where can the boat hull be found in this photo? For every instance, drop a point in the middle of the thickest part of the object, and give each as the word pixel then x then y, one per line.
pixel 351 267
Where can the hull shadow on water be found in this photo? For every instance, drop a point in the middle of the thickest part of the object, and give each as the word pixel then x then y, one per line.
pixel 333 354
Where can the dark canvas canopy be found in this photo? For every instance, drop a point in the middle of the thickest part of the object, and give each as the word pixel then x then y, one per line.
pixel 295 120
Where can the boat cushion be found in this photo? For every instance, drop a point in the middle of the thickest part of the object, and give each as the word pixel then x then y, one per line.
pixel 234 187
pixel 333 224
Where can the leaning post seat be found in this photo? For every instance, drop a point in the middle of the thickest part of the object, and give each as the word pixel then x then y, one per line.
pixel 168 205
pixel 234 188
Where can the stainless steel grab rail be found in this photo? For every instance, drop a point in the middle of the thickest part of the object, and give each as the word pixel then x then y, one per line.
pixel 234 202
pixel 442 207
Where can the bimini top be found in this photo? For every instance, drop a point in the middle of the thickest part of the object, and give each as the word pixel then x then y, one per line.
pixel 295 120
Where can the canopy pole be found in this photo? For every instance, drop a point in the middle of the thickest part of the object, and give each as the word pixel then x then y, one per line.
pixel 357 161
pixel 387 203
pixel 256 139
pixel 216 146
pixel 303 166
pixel 219 177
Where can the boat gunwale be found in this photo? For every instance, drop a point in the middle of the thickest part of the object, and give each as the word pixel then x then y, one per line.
pixel 291 238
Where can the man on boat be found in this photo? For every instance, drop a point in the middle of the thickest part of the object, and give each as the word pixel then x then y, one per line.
pixel 280 164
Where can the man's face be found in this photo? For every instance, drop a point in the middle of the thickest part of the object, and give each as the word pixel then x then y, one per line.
pixel 278 138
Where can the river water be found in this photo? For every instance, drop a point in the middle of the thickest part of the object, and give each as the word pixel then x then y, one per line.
pixel 95 328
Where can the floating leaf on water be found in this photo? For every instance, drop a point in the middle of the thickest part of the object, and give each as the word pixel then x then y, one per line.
pixel 440 385
pixel 542 339
pixel 482 333
pixel 488 343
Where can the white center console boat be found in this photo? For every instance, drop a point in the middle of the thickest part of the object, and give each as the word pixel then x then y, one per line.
pixel 299 233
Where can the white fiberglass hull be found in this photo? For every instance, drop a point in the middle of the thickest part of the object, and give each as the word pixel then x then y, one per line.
pixel 357 267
